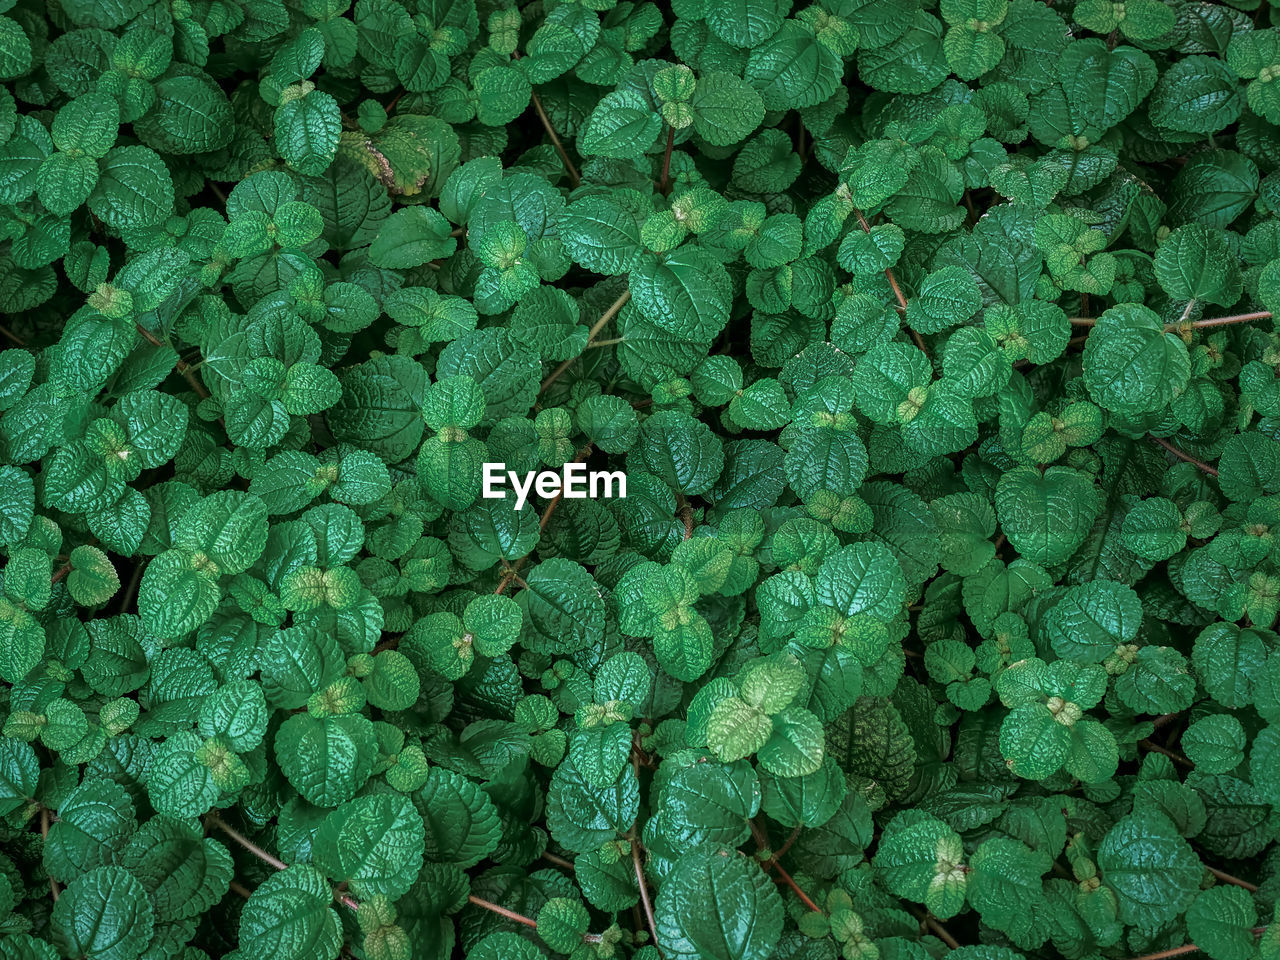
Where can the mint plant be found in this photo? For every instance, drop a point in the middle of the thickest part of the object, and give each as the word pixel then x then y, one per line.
pixel 933 345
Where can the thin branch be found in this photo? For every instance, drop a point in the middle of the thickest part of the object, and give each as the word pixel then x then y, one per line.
pixel 644 893
pixel 1237 318
pixel 1228 878
pixel 664 183
pixel 614 309
pixel 503 911
pixel 11 336
pixel 129 591
pixel 762 841
pixel 569 168
pixel 1186 457
pixel 936 928
pixel 241 889
pixel 214 820
pixel 514 570
pixel 181 366
pixel 893 282
pixel 66 568
pixel 804 897
pixel 897 290
pixel 1194 324
pixel 1163 751
pixel 558 861
pixel 44 835
pixel 778 854
pixel 1186 948
pixel 685 513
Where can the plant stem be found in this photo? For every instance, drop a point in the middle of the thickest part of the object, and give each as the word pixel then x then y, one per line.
pixel 181 366
pixel 644 893
pixel 664 184
pixel 614 309
pixel 1236 318
pixel 514 570
pixel 351 902
pixel 937 929
pixel 1194 324
pixel 65 569
pixel 1186 457
pixel 502 911
pixel 897 290
pixel 44 835
pixel 11 336
pixel 1228 878
pixel 685 513
pixel 214 820
pixel 569 168
pixel 558 861
pixel 762 841
pixel 1175 757
pixel 804 897
pixel 1186 948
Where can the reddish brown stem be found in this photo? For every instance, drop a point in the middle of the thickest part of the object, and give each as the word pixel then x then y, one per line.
pixel 1228 878
pixel 569 168
pixel 786 845
pixel 62 572
pixel 685 513
pixel 644 893
pixel 503 911
pixel 937 929
pixel 214 820
pixel 1175 757
pixel 664 183
pixel 1236 318
pixel 1185 948
pixel 514 571
pixel 181 366
pixel 44 835
pixel 12 337
pixel 614 309
pixel 897 290
pixel 558 861
pixel 1194 324
pixel 1186 457
pixel 795 888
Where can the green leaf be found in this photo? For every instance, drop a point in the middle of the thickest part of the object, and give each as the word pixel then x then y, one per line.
pixel 307 130
pixel 104 914
pixel 373 844
pixel 1221 921
pixel 1152 870
pixel 693 913
pixel 1046 516
pixel 290 915
pixel 923 860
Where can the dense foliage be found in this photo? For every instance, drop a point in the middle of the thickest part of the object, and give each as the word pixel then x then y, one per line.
pixel 935 341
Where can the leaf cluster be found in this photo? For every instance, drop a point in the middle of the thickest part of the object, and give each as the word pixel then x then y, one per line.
pixel 935 341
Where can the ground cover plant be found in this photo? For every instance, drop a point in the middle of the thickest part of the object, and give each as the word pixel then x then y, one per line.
pixel 935 341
